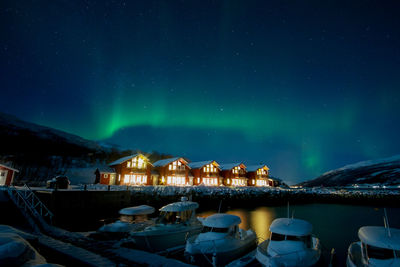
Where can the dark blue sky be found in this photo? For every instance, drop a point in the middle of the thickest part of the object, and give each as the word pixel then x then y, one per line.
pixel 302 86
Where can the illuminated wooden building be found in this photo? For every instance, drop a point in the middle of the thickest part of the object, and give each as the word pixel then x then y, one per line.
pixel 172 171
pixel 7 175
pixel 234 174
pixel 132 170
pixel 205 173
pixel 258 175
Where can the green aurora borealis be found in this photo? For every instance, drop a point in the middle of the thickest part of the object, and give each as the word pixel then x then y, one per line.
pixel 303 87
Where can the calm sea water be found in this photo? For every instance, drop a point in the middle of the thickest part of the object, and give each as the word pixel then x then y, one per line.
pixel 335 225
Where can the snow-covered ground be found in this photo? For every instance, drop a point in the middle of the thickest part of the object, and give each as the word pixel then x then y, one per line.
pixel 371 189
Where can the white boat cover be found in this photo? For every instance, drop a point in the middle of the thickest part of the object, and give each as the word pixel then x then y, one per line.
pixel 378 236
pixel 294 227
pixel 138 210
pixel 180 206
pixel 221 220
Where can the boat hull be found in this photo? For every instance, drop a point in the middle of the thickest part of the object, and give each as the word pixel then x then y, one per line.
pixel 221 253
pixel 165 238
pixel 306 258
pixel 354 258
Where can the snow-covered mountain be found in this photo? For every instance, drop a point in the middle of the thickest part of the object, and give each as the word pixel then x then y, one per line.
pixel 382 171
pixel 12 126
pixel 41 152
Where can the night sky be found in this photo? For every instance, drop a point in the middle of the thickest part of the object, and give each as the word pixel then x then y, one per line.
pixel 302 86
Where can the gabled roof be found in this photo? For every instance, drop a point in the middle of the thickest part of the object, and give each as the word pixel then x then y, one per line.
pixel 230 166
pixel 163 162
pixel 254 168
pixel 201 164
pixel 12 169
pixel 122 160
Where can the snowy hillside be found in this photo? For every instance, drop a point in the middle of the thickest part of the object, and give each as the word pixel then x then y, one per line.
pixel 12 126
pixel 41 152
pixel 373 172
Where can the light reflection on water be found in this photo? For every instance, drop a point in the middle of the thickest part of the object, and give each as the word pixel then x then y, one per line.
pixel 258 220
pixel 335 225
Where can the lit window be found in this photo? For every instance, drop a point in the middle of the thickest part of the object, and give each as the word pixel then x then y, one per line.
pixel 128 164
pixel 126 178
pixel 170 167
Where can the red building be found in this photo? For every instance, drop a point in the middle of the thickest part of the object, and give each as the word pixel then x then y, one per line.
pixel 258 175
pixel 172 171
pixel 206 173
pixel 132 170
pixel 7 175
pixel 105 176
pixel 234 174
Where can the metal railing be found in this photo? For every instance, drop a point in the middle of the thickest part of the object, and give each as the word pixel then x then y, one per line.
pixel 26 200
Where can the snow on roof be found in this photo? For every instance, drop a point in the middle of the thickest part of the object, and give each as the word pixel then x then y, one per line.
pixel 378 236
pixel 7 167
pixel 106 169
pixel 288 226
pixel 254 168
pixel 180 206
pixel 163 162
pixel 200 164
pixel 230 166
pixel 137 210
pixel 221 220
pixel 122 160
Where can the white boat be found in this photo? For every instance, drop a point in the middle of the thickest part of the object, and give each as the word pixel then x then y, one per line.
pixel 291 244
pixel 378 246
pixel 220 242
pixel 176 223
pixel 131 219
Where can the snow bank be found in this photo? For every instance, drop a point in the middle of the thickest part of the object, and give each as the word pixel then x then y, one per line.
pixel 16 251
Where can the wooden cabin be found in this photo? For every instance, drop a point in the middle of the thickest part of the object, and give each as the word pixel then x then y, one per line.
pixel 205 173
pixel 234 174
pixel 132 170
pixel 105 175
pixel 258 175
pixel 172 171
pixel 7 175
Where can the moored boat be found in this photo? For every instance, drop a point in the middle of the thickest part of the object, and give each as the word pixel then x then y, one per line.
pixel 176 223
pixel 220 242
pixel 378 246
pixel 131 219
pixel 291 244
